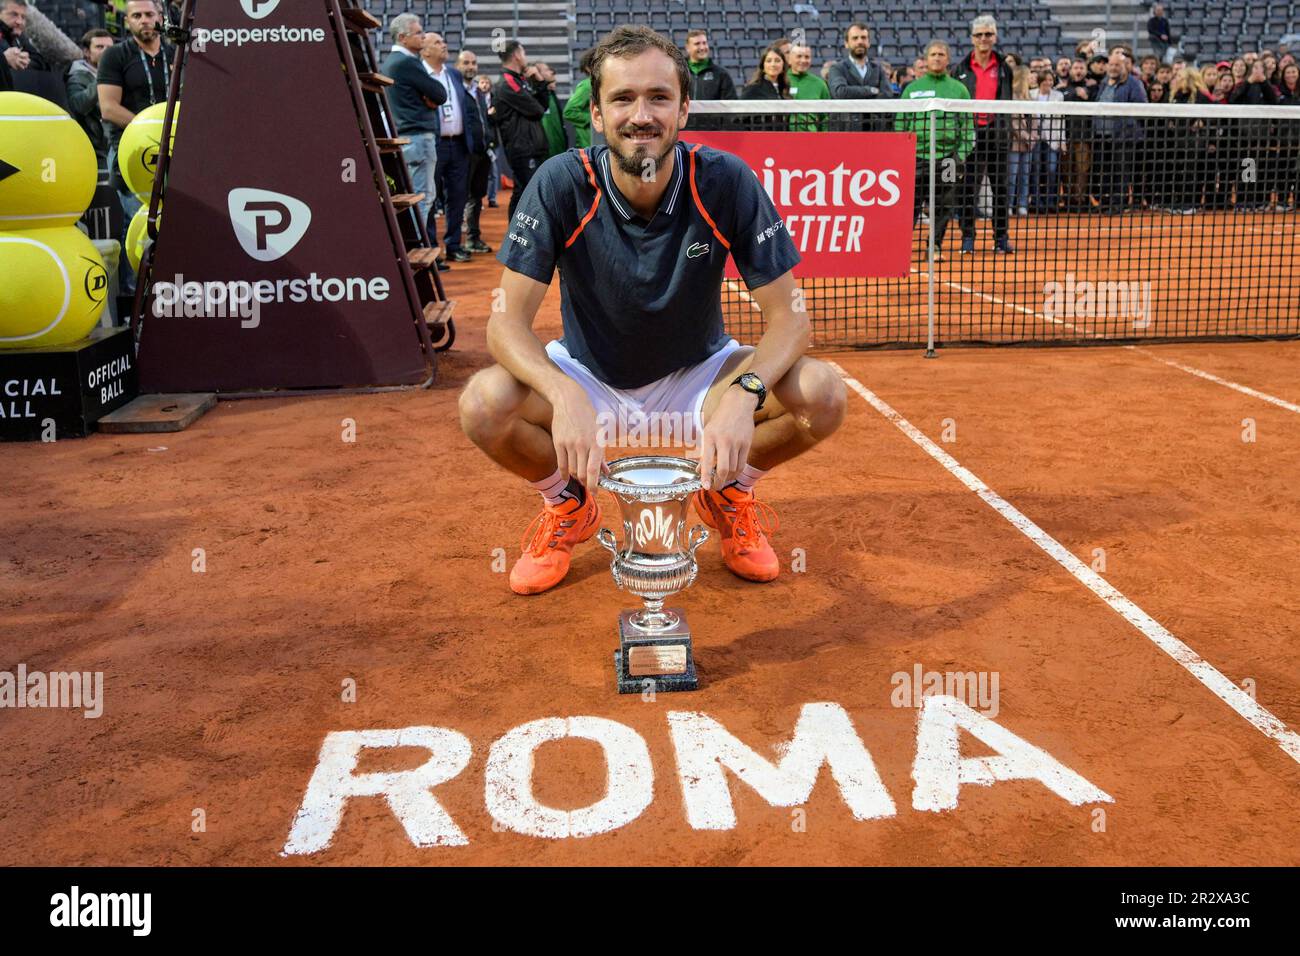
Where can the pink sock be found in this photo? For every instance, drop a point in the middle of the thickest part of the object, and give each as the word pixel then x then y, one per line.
pixel 551 488
pixel 747 478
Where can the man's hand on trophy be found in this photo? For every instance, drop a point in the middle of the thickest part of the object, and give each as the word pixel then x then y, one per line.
pixel 574 432
pixel 724 445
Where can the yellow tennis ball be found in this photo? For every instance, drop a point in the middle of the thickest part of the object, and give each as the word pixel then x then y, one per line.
pixel 48 169
pixel 54 290
pixel 137 153
pixel 137 234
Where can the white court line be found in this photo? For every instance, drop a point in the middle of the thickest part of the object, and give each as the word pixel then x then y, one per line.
pixel 1153 630
pixel 1244 389
pixel 1005 304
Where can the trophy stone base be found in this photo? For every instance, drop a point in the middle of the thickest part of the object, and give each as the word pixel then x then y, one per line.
pixel 664 657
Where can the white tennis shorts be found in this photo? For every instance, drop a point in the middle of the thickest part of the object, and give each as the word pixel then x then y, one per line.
pixel 664 413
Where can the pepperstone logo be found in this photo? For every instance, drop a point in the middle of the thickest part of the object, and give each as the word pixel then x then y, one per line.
pixel 238 36
pixel 257 9
pixel 267 224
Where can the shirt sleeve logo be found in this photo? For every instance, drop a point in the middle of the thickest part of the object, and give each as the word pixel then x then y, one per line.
pixel 697 249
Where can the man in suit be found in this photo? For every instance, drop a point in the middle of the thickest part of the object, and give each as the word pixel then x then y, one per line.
pixel 458 136
pixel 480 160
pixel 414 98
pixel 857 78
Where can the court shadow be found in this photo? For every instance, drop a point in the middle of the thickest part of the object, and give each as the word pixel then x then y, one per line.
pixel 848 622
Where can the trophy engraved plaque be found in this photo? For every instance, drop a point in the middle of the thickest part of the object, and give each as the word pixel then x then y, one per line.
pixel 654 562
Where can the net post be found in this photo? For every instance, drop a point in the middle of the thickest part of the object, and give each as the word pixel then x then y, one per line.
pixel 929 272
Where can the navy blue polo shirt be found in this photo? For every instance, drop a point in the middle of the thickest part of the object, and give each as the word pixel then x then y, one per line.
pixel 642 298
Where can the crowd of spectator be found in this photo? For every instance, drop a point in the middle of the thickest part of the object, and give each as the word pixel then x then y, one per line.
pixel 1010 164
pixel 470 132
pixel 467 132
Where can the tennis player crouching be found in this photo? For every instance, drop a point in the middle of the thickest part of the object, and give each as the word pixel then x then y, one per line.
pixel 641 257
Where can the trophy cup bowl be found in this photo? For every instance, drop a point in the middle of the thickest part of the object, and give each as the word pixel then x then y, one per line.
pixel 655 561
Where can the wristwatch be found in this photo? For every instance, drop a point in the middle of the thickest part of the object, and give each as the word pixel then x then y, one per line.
pixel 754 385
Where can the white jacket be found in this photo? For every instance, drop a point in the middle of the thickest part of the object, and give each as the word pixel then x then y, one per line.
pixel 1051 129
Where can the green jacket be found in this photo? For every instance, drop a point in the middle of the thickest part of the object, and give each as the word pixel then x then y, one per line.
pixel 954 133
pixel 553 125
pixel 577 112
pixel 807 86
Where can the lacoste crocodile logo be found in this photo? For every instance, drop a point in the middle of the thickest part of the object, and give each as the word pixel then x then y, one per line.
pixel 697 249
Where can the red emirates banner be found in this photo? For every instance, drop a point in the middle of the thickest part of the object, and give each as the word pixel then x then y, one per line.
pixel 846 197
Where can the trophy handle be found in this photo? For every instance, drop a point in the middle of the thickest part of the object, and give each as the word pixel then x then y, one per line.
pixel 607 539
pixel 696 540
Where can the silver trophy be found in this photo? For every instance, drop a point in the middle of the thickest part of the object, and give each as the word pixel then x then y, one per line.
pixel 656 561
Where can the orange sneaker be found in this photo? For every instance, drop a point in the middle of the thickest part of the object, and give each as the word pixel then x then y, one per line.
pixel 548 544
pixel 744 522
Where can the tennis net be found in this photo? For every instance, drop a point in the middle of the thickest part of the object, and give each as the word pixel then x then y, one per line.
pixel 1127 222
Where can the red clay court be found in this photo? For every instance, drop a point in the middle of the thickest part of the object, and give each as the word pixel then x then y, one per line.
pixel 1111 531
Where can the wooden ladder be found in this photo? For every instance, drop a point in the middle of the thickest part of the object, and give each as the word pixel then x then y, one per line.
pixel 418 254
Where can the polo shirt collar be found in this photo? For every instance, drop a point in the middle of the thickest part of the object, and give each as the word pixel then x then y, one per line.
pixel 398 48
pixel 667 205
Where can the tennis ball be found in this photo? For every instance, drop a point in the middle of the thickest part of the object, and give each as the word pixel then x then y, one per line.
pixel 48 169
pixel 137 152
pixel 54 290
pixel 137 234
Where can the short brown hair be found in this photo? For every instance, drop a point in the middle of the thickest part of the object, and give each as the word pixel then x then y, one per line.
pixel 94 34
pixel 695 32
pixel 626 42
